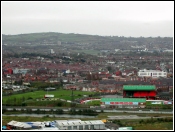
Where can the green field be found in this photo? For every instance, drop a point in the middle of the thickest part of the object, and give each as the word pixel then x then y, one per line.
pixel 62 94
pixel 94 103
pixel 154 126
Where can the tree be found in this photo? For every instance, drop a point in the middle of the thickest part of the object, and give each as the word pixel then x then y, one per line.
pixel 59 111
pixel 59 103
pixel 61 82
pixel 38 111
pixel 141 121
pixel 109 68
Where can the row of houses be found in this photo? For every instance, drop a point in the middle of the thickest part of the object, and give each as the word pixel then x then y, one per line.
pixel 74 77
pixel 110 85
pixel 90 75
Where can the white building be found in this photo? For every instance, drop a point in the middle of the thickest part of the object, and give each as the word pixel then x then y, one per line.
pixel 73 124
pixel 116 50
pixel 52 51
pixel 168 51
pixel 80 125
pixel 22 71
pixel 151 73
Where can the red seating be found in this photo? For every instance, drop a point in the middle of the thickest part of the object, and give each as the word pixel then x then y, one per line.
pixel 144 94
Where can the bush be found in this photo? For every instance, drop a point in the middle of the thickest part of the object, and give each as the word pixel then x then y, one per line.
pixel 59 111
pixel 80 112
pixel 47 116
pixel 72 112
pixel 38 111
pixel 141 121
pixel 28 111
pixel 60 103
pixel 23 104
pixel 43 111
pixel 73 104
pixel 30 98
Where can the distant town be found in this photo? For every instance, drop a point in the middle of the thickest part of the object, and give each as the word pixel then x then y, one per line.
pixel 71 71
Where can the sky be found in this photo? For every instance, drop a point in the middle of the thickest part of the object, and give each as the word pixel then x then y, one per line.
pixel 104 18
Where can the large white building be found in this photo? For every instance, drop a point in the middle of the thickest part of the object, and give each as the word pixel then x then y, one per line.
pixel 151 73
pixel 80 125
pixel 52 51
pixel 57 125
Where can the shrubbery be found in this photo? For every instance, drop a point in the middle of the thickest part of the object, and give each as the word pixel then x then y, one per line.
pixel 156 120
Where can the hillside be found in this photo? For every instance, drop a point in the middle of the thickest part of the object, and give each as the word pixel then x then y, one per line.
pixel 71 38
pixel 52 37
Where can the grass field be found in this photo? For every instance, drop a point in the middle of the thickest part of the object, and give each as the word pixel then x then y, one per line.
pixel 94 103
pixel 62 94
pixel 154 126
pixel 105 114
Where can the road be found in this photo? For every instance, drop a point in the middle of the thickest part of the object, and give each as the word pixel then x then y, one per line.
pixel 96 109
pixel 132 117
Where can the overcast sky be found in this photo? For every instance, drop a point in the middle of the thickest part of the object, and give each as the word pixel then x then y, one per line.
pixel 112 18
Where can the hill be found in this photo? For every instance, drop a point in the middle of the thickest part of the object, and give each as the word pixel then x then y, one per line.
pixel 71 38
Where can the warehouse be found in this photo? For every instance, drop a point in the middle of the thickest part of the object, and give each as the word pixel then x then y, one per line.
pixel 124 102
pixel 80 125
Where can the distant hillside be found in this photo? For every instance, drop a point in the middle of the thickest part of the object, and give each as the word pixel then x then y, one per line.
pixel 54 38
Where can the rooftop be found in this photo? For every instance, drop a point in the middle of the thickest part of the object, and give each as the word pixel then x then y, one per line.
pixel 139 87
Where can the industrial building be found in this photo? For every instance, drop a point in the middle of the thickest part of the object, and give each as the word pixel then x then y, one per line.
pixel 139 91
pixel 80 125
pixel 74 124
